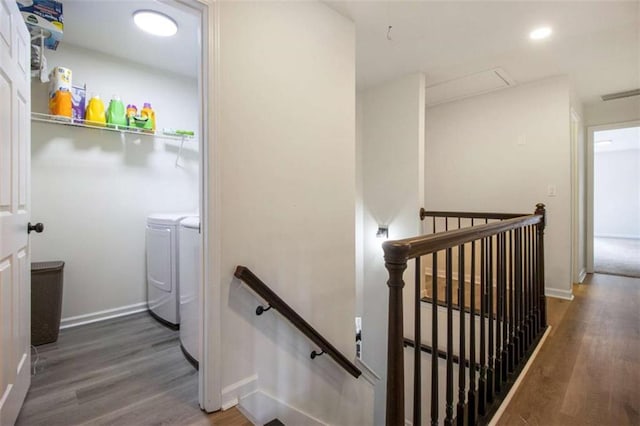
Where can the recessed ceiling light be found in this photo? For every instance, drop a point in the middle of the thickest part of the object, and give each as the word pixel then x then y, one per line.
pixel 605 142
pixel 540 33
pixel 155 23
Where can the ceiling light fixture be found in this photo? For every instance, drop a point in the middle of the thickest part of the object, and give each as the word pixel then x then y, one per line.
pixel 540 33
pixel 155 23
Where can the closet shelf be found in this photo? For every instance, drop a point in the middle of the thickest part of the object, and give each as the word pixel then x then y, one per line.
pixel 53 119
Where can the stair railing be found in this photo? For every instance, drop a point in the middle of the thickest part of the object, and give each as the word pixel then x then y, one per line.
pixel 274 301
pixel 506 263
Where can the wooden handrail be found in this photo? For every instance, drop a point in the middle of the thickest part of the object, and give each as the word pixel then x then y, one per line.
pixel 243 273
pixel 399 251
pixel 468 215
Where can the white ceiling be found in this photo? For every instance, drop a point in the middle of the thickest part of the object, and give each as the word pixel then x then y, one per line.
pixel 107 26
pixel 621 139
pixel 595 43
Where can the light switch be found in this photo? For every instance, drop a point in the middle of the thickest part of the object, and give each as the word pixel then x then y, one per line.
pixel 551 191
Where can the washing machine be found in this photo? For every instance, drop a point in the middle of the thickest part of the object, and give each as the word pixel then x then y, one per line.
pixel 163 288
pixel 190 300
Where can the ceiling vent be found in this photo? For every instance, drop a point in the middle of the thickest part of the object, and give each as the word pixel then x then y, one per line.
pixel 621 95
pixel 467 86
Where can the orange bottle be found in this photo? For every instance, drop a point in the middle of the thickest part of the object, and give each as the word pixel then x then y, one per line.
pixel 61 104
pixel 150 114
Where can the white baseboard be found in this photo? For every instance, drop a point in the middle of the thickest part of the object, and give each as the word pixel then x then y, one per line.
pixel 260 408
pixel 622 236
pixel 103 315
pixel 516 385
pixel 367 372
pixel 558 294
pixel 232 394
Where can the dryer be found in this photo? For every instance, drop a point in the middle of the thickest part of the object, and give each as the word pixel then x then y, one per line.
pixel 163 290
pixel 190 310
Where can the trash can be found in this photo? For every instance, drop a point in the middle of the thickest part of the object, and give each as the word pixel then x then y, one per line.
pixel 46 301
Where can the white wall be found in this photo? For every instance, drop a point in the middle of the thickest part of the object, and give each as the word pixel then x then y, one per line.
pixel 578 187
pixel 617 194
pixel 287 210
pixel 93 190
pixel 500 152
pixel 393 136
pixel 359 206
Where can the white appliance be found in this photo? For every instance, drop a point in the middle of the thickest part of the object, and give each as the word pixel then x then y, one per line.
pixel 190 264
pixel 163 288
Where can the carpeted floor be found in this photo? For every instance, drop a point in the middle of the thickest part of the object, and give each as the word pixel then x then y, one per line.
pixel 617 256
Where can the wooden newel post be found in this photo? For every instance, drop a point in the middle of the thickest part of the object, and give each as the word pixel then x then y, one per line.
pixel 540 210
pixel 396 263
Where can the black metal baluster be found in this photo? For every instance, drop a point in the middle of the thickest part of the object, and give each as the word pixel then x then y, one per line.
pixel 511 306
pixel 503 317
pixel 535 317
pixel 490 314
pixel 536 294
pixel 498 356
pixel 521 271
pixel 516 295
pixel 482 380
pixel 448 420
pixel 434 341
pixel 527 295
pixel 532 274
pixel 433 219
pixel 417 372
pixel 463 337
pixel 471 405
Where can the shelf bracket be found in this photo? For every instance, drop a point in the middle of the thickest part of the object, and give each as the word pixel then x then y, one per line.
pixel 179 152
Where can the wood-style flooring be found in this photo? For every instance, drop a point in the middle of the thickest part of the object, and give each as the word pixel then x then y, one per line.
pixel 588 370
pixel 126 371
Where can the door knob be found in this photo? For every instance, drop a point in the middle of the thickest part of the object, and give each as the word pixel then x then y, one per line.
pixel 38 227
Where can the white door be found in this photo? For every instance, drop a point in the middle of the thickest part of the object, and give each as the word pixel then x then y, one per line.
pixel 15 278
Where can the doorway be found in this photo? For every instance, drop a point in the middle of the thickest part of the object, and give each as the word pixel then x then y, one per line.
pixel 116 179
pixel 615 195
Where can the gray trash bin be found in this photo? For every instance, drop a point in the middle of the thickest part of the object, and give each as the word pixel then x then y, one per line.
pixel 46 301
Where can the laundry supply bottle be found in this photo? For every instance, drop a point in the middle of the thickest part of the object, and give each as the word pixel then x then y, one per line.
pixel 132 111
pixel 61 104
pixel 116 116
pixel 147 112
pixel 95 114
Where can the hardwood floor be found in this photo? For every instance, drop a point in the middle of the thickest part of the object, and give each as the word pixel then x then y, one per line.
pixel 126 371
pixel 588 371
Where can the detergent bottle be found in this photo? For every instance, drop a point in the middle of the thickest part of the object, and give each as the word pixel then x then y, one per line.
pixel 116 116
pixel 95 114
pixel 132 111
pixel 60 104
pixel 147 112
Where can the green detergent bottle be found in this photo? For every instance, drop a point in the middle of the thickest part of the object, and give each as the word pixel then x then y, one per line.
pixel 116 114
